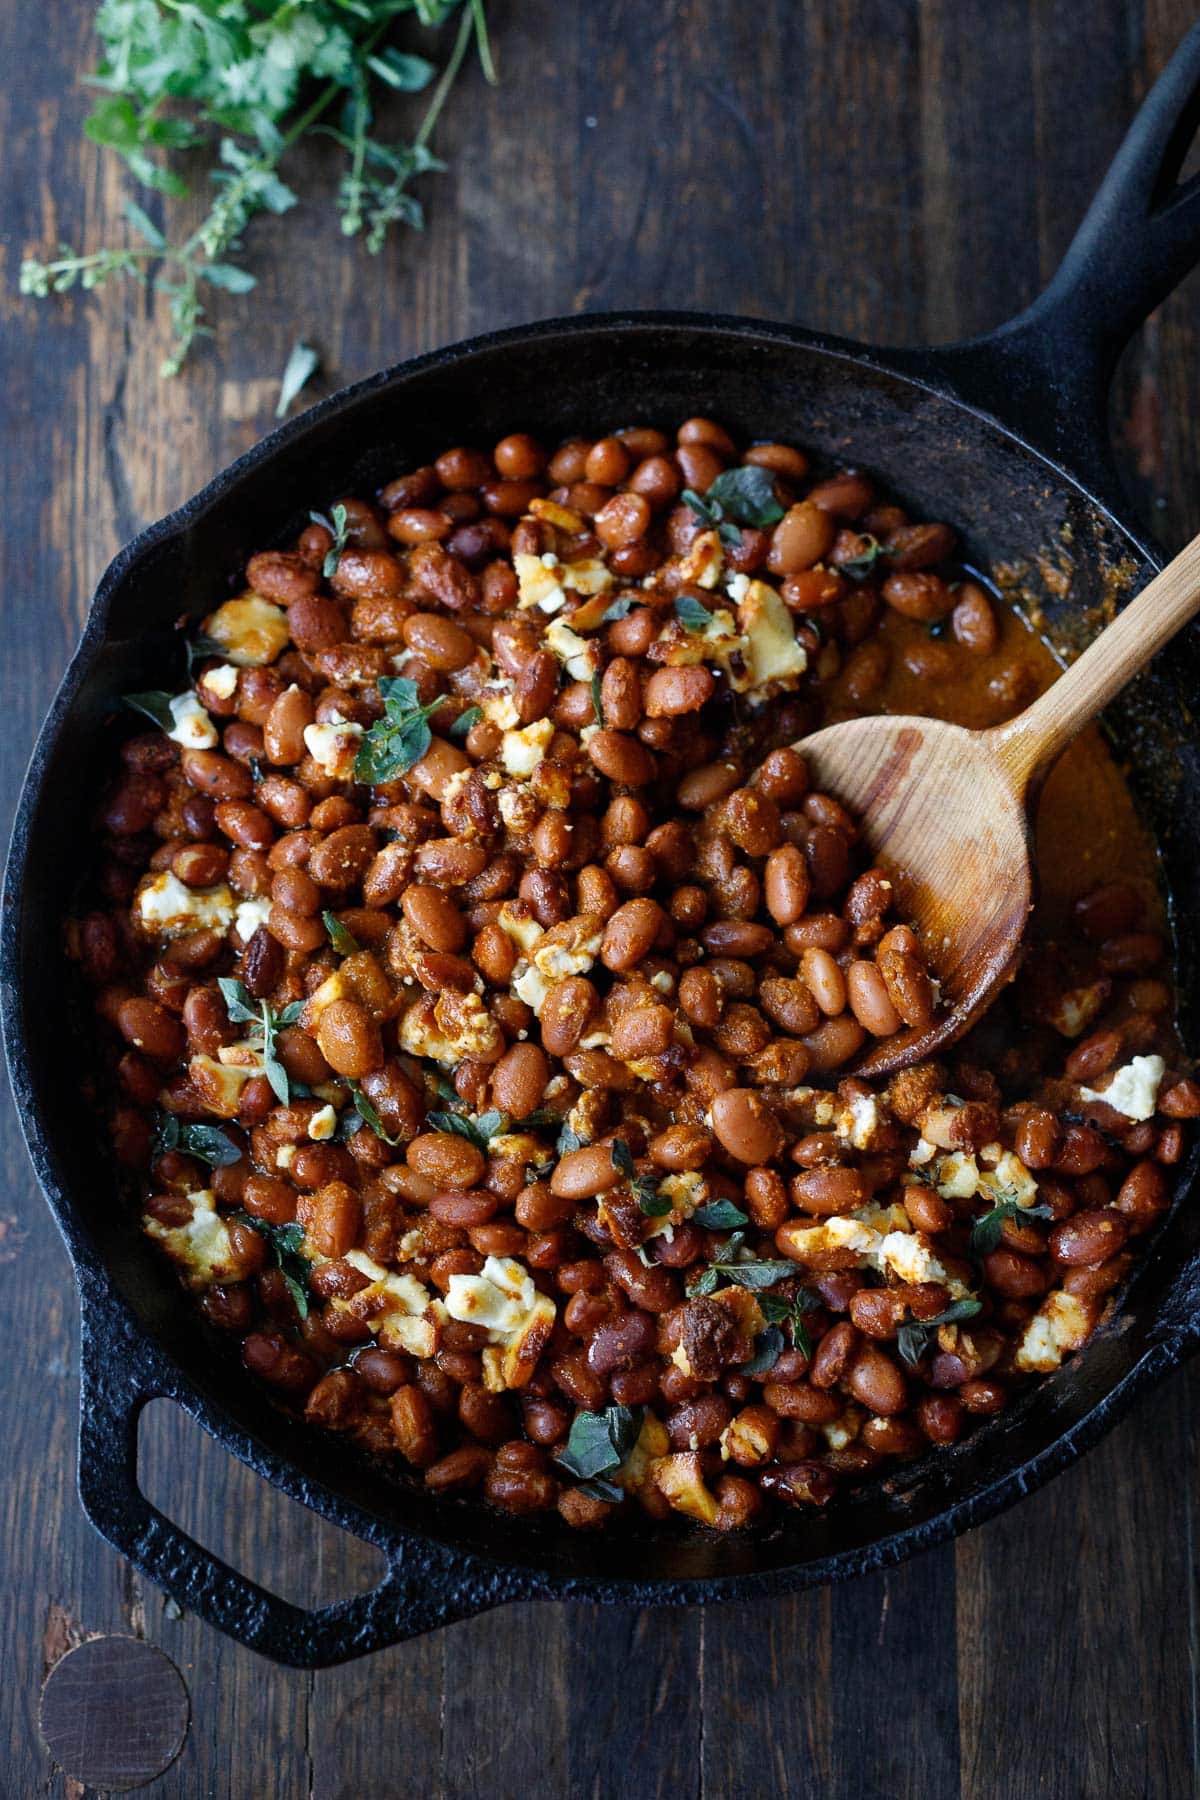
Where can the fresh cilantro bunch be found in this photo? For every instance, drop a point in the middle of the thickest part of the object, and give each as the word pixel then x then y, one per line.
pixel 246 79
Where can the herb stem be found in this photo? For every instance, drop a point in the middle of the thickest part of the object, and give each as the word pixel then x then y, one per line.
pixel 468 26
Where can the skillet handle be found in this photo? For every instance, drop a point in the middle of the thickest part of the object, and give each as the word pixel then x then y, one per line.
pixel 426 1585
pixel 1046 373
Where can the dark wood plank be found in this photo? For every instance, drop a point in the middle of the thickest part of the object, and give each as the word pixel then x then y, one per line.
pixel 897 169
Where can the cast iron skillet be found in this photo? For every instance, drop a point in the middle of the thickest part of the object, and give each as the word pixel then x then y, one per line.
pixel 1006 438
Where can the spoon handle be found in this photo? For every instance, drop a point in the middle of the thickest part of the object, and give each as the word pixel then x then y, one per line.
pixel 1032 740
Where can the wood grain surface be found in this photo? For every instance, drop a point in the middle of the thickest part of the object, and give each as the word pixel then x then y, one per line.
pixel 898 170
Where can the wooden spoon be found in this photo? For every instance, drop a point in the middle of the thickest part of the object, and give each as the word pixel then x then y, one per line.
pixel 947 811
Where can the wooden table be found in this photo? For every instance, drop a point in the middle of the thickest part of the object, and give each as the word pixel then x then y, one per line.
pixel 889 169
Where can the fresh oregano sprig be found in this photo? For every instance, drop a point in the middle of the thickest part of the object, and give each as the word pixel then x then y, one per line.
pixel 264 1021
pixel 246 80
pixel 401 737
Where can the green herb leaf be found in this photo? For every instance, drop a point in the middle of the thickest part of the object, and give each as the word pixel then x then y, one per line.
pixel 622 1158
pixel 769 1346
pixel 568 1140
pixel 706 1282
pixel 229 277
pixel 246 81
pixel 336 527
pixel 599 1489
pixel 479 1132
pixel 286 1244
pixel 653 1203
pixel 857 568
pixel 302 364
pixel 781 1311
pixel 747 496
pixel 720 1215
pixel 913 1338
pixel 401 737
pixel 620 609
pixel 598 1443
pixel 144 225
pixel 209 1144
pixel 343 941
pixel 264 1022
pixel 988 1230
pixel 597 701
pixel 200 647
pixel 700 506
pixel 240 1004
pixel 408 74
pixel 460 730
pixel 155 705
pixel 368 1114
pixel 691 614
pixel 756 1275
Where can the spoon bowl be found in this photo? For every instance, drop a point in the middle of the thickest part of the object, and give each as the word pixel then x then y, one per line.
pixel 942 814
pixel 946 811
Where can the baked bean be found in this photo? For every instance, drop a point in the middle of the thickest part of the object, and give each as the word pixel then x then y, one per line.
pixel 824 981
pixel 745 1126
pixel 349 1039
pixel 519 1080
pixel 829 1191
pixel 802 537
pixel 869 1000
pixel 833 1043
pixel 630 933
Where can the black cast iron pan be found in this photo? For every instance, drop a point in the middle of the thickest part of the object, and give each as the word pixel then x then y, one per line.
pixel 1005 437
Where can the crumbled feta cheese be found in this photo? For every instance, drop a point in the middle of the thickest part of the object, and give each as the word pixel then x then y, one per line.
pixel 522 751
pixel 910 1259
pixel 453 1028
pixel 167 907
pixel 663 981
pixel 523 929
pixel 202 1247
pixel 845 1428
pixel 957 1176
pixel 685 1191
pixel 334 746
pixel 497 1298
pixel 538 585
pixel 392 1305
pixel 250 630
pixel 1009 1179
pixel 221 681
pixel 922 1152
pixel 249 916
pixel 285 1156
pixel 773 653
pixel 498 706
pixel 518 1319
pixel 571 649
pixel 1061 1323
pixel 1133 1090
pixel 322 1125
pixel 737 588
pixel 557 960
pixel 860 1121
pixel 532 987
pixel 839 1233
pixel 545 585
pixel 191 725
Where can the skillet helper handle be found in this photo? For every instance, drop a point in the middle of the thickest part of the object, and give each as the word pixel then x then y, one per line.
pixel 1047 372
pixel 423 1588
